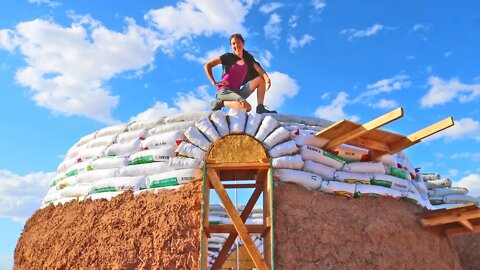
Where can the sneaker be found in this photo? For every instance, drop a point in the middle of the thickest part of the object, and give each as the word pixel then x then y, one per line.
pixel 216 104
pixel 261 109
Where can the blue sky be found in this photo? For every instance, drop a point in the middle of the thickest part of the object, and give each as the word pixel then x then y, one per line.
pixel 70 68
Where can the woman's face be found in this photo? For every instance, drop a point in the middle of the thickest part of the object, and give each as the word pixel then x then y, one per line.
pixel 236 44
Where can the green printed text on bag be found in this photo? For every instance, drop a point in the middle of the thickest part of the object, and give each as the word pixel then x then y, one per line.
pixel 141 160
pixel 335 157
pixel 382 183
pixel 164 182
pixel 398 173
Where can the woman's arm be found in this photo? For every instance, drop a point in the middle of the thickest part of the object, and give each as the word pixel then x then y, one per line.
pixel 208 70
pixel 264 74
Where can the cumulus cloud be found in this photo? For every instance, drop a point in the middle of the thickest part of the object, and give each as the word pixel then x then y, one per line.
pixel 67 67
pixel 194 101
pixel 47 2
pixel 199 17
pixel 294 43
pixel 283 87
pixel 264 58
pixel 472 182
pixel 463 128
pixel 21 195
pixel 270 7
pixel 158 110
pixel 8 40
pixel 442 91
pixel 370 31
pixel 273 29
pixel 335 110
pixel 207 57
pixel 292 21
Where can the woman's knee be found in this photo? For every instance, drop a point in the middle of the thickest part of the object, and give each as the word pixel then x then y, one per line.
pixel 246 106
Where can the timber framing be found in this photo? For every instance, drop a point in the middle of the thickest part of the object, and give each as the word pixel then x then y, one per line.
pixel 459 220
pixel 378 142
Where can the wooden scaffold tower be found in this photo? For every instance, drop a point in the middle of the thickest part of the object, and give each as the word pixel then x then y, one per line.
pixel 238 157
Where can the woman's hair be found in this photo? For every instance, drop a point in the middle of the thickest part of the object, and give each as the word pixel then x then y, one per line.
pixel 236 35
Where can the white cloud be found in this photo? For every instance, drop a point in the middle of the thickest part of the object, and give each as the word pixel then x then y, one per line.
pixel 67 67
pixel 385 104
pixel 158 110
pixel 296 43
pixel 283 87
pixel 273 29
pixel 463 128
pixel 207 57
pixel 472 183
pixel 292 21
pixel 20 195
pixel 371 31
pixel 270 7
pixel 447 54
pixel 318 4
pixel 475 156
pixel 452 172
pixel 8 40
pixel 334 111
pixel 410 57
pixel 48 2
pixel 442 91
pixel 395 83
pixel 194 101
pixel 199 17
pixel 264 58
pixel 421 27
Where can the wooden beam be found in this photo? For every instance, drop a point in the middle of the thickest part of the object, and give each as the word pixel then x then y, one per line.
pixel 467 224
pixel 450 218
pixel 421 134
pixel 229 228
pixel 237 221
pixel 240 186
pixel 240 166
pixel 365 128
pixel 222 256
pixel 370 144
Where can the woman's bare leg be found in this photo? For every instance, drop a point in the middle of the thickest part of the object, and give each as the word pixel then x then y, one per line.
pixel 259 84
pixel 238 105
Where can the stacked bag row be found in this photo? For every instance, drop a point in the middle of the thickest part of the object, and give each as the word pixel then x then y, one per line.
pixel 136 156
pixel 441 194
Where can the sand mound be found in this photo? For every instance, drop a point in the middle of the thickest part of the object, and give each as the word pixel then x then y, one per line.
pixel 313 230
pixel 149 231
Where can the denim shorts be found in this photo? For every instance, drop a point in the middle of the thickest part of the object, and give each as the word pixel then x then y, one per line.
pixel 227 94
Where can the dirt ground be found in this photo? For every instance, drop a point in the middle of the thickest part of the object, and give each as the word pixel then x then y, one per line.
pixel 468 249
pixel 321 231
pixel 313 230
pixel 149 231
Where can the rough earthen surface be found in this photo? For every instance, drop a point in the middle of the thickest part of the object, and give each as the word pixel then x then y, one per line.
pixel 468 249
pixel 314 230
pixel 148 231
pixel 161 231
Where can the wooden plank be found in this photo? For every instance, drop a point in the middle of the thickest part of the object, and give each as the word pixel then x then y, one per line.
pixel 421 134
pixel 365 128
pixel 370 144
pixel 450 218
pixel 267 219
pixel 461 230
pixel 236 221
pixel 452 210
pixel 230 228
pixel 222 256
pixel 228 186
pixel 336 129
pixel 240 166
pixel 467 224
